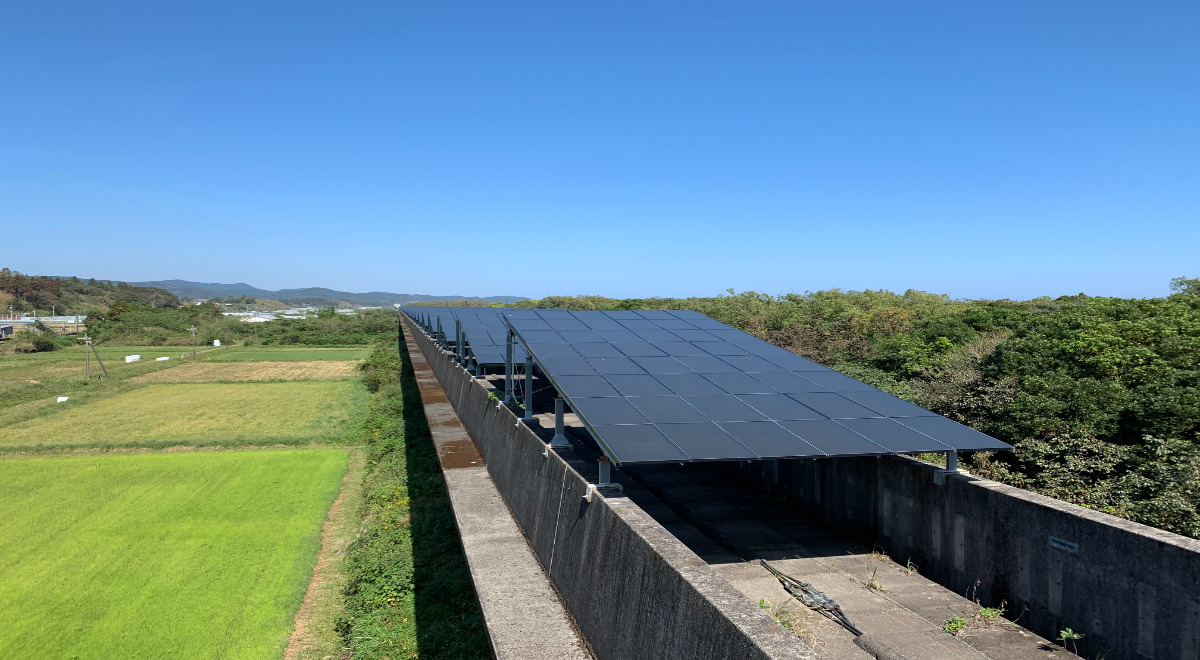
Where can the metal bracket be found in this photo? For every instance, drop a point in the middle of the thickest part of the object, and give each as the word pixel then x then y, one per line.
pixel 939 476
pixel 604 482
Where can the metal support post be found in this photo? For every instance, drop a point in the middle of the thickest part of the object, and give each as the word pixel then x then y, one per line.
pixel 604 480
pixel 508 370
pixel 560 439
pixel 459 351
pixel 528 387
pixel 939 477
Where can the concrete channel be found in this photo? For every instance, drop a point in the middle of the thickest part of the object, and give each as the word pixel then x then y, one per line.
pixel 669 567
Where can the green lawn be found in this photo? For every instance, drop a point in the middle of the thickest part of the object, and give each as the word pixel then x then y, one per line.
pixel 280 354
pixel 199 413
pixel 196 555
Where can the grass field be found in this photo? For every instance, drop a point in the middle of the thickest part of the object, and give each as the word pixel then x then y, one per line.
pixel 69 363
pixel 212 372
pixel 277 354
pixel 195 555
pixel 203 414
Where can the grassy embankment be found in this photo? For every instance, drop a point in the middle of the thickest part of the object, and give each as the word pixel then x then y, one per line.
pixel 199 555
pixel 410 593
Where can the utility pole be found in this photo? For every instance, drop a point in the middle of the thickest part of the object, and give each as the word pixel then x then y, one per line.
pixel 88 341
pixel 87 358
pixel 193 341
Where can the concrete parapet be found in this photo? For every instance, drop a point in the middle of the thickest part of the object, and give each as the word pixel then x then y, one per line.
pixel 1132 590
pixel 634 589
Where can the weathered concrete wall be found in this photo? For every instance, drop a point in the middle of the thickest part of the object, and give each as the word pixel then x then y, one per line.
pixel 632 587
pixel 1133 590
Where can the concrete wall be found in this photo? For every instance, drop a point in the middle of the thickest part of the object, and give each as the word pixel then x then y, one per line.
pixel 633 588
pixel 1133 590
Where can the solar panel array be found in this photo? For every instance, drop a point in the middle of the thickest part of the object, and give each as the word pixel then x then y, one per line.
pixel 485 330
pixel 669 385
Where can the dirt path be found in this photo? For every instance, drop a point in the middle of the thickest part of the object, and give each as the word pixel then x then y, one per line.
pixel 313 634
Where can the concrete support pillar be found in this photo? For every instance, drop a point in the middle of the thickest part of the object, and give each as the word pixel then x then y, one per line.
pixel 508 369
pixel 528 387
pixel 560 439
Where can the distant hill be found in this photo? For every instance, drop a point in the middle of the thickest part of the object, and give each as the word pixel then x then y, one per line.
pixel 311 295
pixel 45 294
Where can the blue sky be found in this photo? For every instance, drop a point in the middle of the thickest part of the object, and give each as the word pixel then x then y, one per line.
pixel 1002 149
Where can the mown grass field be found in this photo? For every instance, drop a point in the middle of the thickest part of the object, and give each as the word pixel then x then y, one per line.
pixel 277 354
pixel 20 371
pixel 212 372
pixel 200 414
pixel 195 555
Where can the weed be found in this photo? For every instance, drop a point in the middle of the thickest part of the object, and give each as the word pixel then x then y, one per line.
pixel 989 613
pixel 788 618
pixel 878 554
pixel 1067 635
pixel 955 625
pixel 873 583
pixel 910 567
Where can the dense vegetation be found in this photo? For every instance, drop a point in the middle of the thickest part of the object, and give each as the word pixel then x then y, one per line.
pixel 135 323
pixel 1100 396
pixel 28 294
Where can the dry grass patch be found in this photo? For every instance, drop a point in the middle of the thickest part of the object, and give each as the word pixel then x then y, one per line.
pixel 213 372
pixel 202 414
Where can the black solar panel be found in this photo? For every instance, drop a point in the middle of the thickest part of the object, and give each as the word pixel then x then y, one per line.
pixel 484 327
pixel 673 385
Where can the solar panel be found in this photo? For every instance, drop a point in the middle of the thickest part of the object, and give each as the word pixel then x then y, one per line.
pixel 485 330
pixel 675 385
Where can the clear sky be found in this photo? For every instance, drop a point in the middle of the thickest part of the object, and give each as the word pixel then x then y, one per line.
pixel 980 149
